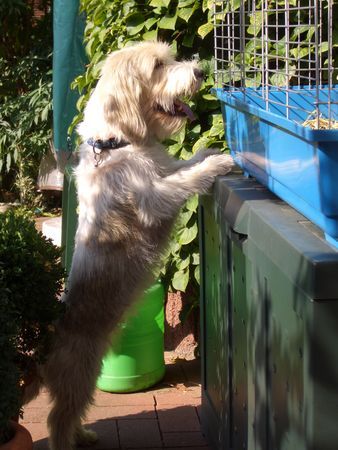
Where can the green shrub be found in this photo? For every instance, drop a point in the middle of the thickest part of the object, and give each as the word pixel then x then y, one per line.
pixel 25 94
pixel 31 279
pixel 113 24
pixel 9 373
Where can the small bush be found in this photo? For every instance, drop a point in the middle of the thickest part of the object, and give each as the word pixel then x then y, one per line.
pixel 31 280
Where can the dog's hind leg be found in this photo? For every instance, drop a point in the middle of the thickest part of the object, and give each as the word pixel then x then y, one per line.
pixel 71 376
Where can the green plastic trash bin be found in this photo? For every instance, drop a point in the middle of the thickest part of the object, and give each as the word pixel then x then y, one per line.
pixel 135 360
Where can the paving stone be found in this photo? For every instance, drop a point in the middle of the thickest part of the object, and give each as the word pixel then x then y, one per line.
pixel 165 416
pixel 41 445
pixel 173 374
pixel 106 430
pixel 193 447
pixel 122 412
pixel 198 410
pixel 183 418
pixel 139 433
pixel 194 439
pixel 178 396
pixel 112 399
pixel 35 415
pixel 39 434
pixel 43 399
pixel 192 371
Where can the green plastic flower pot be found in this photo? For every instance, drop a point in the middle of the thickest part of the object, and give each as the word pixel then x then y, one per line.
pixel 135 360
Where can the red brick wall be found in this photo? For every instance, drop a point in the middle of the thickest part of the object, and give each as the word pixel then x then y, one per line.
pixel 40 8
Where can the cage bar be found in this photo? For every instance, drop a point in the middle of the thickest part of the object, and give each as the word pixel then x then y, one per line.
pixel 265 46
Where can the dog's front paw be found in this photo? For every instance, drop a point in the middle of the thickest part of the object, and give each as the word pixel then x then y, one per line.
pixel 85 437
pixel 220 164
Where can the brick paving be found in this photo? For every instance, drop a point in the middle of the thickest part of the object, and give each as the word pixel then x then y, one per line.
pixel 165 416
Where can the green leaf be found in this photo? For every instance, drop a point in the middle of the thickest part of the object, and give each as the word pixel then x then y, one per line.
pixel 150 35
pixel 173 46
pixel 185 154
pixel 201 143
pixel 208 97
pixel 207 4
pixel 185 13
pixel 183 219
pixel 16 154
pixel 298 30
pixel 205 29
pixel 335 36
pixel 254 82
pixel 256 22
pixel 180 280
pixel 8 161
pixel 159 3
pixel 175 248
pixel 323 47
pixel 180 136
pixel 232 5
pixel 188 39
pixel 44 113
pixel 192 203
pixel 135 23
pixel 281 78
pixel 197 274
pixel 301 52
pixel 150 22
pixel 174 149
pixel 195 259
pixel 103 34
pixel 216 129
pixel 91 45
pixel 183 263
pixel 184 3
pixel 168 22
pixel 188 235
pixel 196 129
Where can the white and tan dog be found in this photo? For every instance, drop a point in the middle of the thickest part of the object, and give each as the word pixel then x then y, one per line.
pixel 130 191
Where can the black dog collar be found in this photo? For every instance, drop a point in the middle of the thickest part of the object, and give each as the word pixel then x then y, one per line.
pixel 109 144
pixel 100 145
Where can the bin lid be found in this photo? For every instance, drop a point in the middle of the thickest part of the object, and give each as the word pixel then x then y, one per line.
pixel 290 241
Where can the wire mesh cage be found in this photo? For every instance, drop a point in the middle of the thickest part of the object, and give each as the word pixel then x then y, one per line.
pixel 276 72
pixel 281 54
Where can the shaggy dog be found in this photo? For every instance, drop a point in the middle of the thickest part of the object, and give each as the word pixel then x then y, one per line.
pixel 130 191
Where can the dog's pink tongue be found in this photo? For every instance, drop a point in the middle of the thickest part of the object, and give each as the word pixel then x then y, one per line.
pixel 183 107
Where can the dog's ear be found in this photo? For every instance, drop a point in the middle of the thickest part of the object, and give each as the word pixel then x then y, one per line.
pixel 121 92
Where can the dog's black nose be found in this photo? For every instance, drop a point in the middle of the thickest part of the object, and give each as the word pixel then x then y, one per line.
pixel 199 74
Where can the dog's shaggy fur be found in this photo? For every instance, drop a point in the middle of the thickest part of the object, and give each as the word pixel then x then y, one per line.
pixel 127 205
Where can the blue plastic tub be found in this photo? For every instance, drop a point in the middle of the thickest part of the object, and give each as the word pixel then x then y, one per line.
pixel 297 163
